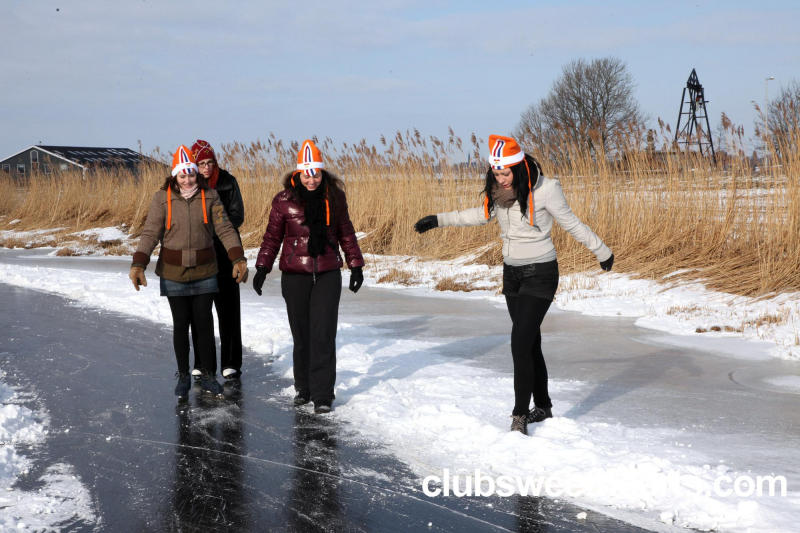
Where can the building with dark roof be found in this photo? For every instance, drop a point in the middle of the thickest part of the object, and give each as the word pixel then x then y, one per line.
pixel 47 159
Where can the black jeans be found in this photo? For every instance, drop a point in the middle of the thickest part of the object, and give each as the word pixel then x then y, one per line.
pixel 194 310
pixel 313 309
pixel 530 371
pixel 229 314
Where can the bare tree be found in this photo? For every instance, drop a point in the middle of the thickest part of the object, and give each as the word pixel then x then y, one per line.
pixel 591 105
pixel 784 120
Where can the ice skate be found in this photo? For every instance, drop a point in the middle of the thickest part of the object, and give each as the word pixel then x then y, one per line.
pixel 183 386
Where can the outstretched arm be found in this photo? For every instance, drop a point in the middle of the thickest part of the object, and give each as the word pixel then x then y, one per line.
pixel 556 205
pixel 468 217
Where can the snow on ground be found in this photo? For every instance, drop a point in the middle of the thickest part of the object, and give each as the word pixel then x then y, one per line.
pixel 95 241
pixel 678 308
pixel 62 498
pixel 20 239
pixel 435 412
pixel 104 234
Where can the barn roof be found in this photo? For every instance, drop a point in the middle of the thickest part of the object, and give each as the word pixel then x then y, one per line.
pixel 92 156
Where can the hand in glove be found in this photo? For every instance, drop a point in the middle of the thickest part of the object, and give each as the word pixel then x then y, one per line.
pixel 258 279
pixel 607 264
pixel 426 223
pixel 356 279
pixel 240 271
pixel 137 277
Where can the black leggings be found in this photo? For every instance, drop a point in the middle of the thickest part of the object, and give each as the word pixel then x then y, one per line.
pixel 193 310
pixel 530 371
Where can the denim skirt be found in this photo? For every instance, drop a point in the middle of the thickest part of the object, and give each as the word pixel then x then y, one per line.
pixel 189 288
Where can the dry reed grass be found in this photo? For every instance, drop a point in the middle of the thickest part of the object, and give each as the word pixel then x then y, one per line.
pixel 735 229
pixel 450 284
pixel 397 276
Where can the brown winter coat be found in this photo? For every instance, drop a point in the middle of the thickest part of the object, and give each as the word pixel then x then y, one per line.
pixel 187 247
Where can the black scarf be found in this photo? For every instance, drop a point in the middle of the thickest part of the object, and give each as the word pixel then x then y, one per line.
pixel 315 219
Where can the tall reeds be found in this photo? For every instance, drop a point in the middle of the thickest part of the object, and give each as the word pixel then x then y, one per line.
pixel 733 227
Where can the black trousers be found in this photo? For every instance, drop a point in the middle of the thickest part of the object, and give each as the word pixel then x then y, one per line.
pixel 195 311
pixel 530 371
pixel 313 309
pixel 229 315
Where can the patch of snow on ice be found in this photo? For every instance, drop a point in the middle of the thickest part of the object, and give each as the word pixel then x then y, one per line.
pixel 62 499
pixel 786 382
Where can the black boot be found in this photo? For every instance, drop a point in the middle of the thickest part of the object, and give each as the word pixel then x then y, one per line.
pixel 322 407
pixel 519 423
pixel 302 397
pixel 184 384
pixel 210 384
pixel 538 414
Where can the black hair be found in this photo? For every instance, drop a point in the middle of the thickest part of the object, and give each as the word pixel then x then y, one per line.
pixel 519 182
pixel 334 186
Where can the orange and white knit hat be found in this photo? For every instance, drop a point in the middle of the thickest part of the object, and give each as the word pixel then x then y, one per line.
pixel 309 158
pixel 505 152
pixel 183 161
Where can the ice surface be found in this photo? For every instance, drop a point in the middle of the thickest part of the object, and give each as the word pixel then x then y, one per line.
pixel 643 424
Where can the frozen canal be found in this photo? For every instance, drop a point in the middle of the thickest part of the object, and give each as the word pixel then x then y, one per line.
pixel 621 395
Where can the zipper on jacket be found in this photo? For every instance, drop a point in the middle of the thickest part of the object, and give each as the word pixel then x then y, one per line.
pixel 314 274
pixel 294 247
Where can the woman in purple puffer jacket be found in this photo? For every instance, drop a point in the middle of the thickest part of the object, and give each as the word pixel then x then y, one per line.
pixel 310 219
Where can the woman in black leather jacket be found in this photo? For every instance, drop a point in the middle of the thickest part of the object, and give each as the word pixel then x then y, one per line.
pixel 227 300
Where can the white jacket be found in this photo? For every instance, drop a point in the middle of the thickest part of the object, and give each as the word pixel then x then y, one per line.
pixel 520 239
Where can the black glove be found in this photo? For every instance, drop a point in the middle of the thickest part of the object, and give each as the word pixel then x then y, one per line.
pixel 426 223
pixel 258 279
pixel 356 279
pixel 606 265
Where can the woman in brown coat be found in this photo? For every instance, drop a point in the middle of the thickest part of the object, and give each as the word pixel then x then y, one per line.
pixel 184 216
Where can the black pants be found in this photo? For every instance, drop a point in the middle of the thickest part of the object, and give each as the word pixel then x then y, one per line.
pixel 313 309
pixel 229 314
pixel 194 310
pixel 530 371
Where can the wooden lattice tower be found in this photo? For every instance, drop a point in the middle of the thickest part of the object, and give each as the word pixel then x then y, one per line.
pixel 694 108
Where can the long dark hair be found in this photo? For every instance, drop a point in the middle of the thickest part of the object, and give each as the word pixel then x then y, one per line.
pixel 334 189
pixel 172 183
pixel 519 182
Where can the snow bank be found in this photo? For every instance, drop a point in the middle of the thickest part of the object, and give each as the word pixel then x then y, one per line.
pixel 104 234
pixel 435 412
pixel 685 309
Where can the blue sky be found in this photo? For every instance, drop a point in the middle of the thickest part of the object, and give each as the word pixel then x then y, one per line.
pixel 112 73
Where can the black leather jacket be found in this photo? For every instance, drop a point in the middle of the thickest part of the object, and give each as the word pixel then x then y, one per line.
pixel 231 196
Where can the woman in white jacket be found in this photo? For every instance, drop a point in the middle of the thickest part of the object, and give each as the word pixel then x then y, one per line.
pixel 525 203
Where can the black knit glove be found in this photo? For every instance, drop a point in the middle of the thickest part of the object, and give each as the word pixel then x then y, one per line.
pixel 356 279
pixel 258 279
pixel 426 223
pixel 607 264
